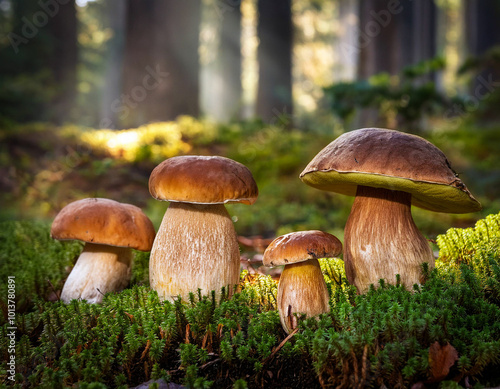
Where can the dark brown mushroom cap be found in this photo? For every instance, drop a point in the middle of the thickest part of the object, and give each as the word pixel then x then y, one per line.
pixel 104 221
pixel 392 160
pixel 203 180
pixel 301 246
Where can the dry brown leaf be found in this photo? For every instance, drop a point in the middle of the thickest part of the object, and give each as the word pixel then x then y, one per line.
pixel 441 359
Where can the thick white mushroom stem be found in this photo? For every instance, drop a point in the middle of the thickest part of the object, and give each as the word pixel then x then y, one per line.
pixel 302 289
pixel 382 240
pixel 195 248
pixel 99 269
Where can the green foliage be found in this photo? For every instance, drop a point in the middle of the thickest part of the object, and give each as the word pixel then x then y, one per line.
pixel 408 97
pixel 479 249
pixel 131 335
pixel 381 338
pixel 38 262
pixel 475 148
pixel 140 268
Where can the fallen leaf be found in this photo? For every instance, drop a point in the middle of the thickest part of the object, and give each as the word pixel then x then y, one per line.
pixel 441 359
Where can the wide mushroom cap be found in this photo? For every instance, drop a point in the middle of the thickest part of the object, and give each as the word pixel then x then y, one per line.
pixel 203 180
pixel 391 160
pixel 301 246
pixel 104 221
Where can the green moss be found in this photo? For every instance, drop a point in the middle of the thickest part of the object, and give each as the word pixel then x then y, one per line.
pixel 381 338
pixel 38 263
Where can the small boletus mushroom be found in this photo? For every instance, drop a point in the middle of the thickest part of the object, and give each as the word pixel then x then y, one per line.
pixel 387 171
pixel 110 231
pixel 302 288
pixel 196 246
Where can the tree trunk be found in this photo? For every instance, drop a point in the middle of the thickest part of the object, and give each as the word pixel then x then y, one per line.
pixel 64 58
pixel 116 16
pixel 482 34
pixel 274 96
pixel 43 49
pixel 221 72
pixel 482 28
pixel 424 30
pixel 229 63
pixel 392 37
pixel 160 80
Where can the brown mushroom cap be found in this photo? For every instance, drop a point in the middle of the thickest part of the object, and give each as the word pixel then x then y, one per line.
pixel 392 160
pixel 104 221
pixel 203 180
pixel 301 246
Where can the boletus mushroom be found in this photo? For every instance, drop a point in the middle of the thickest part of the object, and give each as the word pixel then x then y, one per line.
pixel 387 171
pixel 302 288
pixel 196 246
pixel 110 231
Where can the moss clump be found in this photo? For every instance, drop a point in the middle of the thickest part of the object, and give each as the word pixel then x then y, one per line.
pixel 383 338
pixel 38 263
pixel 476 248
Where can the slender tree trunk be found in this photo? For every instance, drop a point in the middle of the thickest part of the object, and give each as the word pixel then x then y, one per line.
pixel 222 60
pixel 482 34
pixel 116 16
pixel 482 27
pixel 378 40
pixel 274 96
pixel 64 59
pixel 160 78
pixel 424 30
pixel 393 35
pixel 229 63
pixel 43 46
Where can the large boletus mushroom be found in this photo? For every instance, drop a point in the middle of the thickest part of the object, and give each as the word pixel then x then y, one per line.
pixel 110 231
pixel 387 171
pixel 196 246
pixel 301 288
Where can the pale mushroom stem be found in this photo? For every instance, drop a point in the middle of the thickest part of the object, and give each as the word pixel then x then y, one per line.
pixel 195 248
pixel 99 269
pixel 302 289
pixel 382 240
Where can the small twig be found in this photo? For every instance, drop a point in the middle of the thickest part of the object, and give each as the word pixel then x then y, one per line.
pixel 188 326
pixel 356 368
pixel 54 290
pixel 210 363
pixel 364 367
pixel 278 348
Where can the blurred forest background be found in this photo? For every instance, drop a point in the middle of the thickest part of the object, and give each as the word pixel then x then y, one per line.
pixel 94 94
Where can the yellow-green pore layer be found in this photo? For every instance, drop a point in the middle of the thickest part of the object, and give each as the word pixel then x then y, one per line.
pixel 391 160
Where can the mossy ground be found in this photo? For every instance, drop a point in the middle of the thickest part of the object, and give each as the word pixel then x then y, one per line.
pixel 383 338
